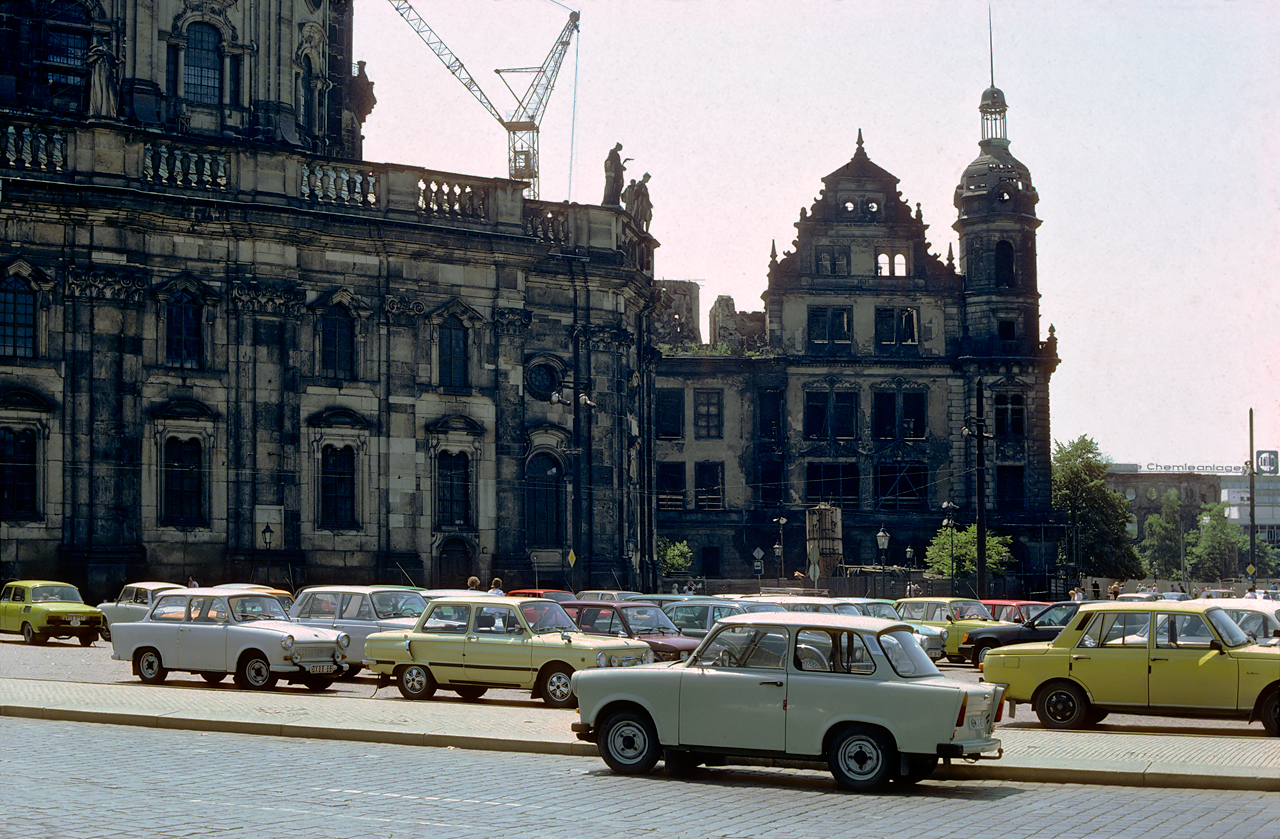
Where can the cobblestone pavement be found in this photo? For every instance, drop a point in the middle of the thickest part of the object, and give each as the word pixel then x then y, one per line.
pixel 82 781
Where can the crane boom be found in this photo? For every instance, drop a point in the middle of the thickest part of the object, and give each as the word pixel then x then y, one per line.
pixel 522 125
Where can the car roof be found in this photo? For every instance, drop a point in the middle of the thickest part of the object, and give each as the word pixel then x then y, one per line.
pixel 829 620
pixel 1147 605
pixel 934 599
pixel 1016 602
pixel 150 585
pixel 357 589
pixel 36 583
pixel 612 604
pixel 490 599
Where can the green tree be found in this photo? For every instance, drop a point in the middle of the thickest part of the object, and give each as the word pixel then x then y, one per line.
pixel 937 555
pixel 1097 519
pixel 673 557
pixel 1161 547
pixel 1216 546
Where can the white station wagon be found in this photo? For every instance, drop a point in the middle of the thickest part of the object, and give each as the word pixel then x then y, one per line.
pixel 856 692
pixel 213 632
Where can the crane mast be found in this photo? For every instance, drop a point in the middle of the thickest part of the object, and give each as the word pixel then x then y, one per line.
pixel 522 125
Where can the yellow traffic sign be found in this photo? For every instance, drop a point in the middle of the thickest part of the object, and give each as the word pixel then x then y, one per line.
pixel 572 558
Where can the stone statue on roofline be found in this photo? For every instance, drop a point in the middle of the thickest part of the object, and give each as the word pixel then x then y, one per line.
pixel 614 169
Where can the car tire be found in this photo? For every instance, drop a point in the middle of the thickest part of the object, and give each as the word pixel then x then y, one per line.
pixel 919 767
pixel 861 758
pixel 150 666
pixel 1062 705
pixel 254 673
pixel 956 659
pixel 980 653
pixel 471 692
pixel 555 687
pixel 1269 711
pixel 213 678
pixel 318 684
pixel 105 632
pixel 87 638
pixel 351 672
pixel 629 743
pixel 32 637
pixel 415 681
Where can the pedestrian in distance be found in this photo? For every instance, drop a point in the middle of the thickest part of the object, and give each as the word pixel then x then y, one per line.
pixel 496 586
pixel 473 584
pixel 191 582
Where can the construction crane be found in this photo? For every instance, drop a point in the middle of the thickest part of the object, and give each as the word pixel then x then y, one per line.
pixel 522 124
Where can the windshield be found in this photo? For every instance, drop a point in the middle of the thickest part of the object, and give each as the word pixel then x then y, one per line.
pixel 58 594
pixel 882 610
pixel 1232 635
pixel 544 616
pixel 905 655
pixel 970 610
pixel 650 620
pixel 848 609
pixel 761 607
pixel 398 604
pixel 257 607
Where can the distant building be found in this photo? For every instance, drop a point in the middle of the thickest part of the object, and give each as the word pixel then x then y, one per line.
pixel 863 374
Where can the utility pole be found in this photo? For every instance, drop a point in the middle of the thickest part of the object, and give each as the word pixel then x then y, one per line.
pixel 979 431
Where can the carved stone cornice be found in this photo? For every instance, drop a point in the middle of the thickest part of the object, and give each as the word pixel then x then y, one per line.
pixel 268 299
pixel 106 284
pixel 610 338
pixel 511 321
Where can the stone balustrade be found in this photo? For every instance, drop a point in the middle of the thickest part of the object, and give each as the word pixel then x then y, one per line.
pixel 33 147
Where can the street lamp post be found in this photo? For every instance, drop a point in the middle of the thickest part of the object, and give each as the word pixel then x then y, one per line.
pixel 910 554
pixel 949 522
pixel 882 540
pixel 267 533
pixel 777 554
pixel 780 548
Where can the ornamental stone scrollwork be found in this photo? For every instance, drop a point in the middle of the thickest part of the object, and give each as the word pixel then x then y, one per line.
pixel 404 311
pixel 106 284
pixel 268 299
pixel 610 338
pixel 1011 449
pixel 208 11
pixel 511 321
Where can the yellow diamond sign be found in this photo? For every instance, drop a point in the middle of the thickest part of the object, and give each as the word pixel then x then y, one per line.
pixel 572 558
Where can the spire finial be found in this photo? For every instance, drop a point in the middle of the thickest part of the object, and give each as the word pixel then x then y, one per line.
pixel 991 46
pixel 859 138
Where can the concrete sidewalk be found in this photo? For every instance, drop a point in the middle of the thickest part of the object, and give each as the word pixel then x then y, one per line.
pixel 1030 754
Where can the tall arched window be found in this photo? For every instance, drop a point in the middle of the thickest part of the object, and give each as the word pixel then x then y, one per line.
pixel 544 502
pixel 183 482
pixel 202 70
pixel 17 319
pixel 18 475
pixel 338 344
pixel 338 487
pixel 307 103
pixel 183 336
pixel 1005 276
pixel 453 353
pixel 453 490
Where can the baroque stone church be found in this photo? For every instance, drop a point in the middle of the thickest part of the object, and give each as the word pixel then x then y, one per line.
pixel 232 349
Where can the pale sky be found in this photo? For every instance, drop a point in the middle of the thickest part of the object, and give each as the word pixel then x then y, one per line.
pixel 1151 129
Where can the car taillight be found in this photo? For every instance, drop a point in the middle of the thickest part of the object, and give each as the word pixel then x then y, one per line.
pixel 964 707
pixel 53 620
pixel 999 711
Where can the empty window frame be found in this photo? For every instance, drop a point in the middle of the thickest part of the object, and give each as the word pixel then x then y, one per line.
pixel 770 402
pixel 708 485
pixel 668 415
pixel 836 483
pixel 831 260
pixel 671 485
pixel 18 475
pixel 453 490
pixel 183 475
pixel 772 483
pixel 183 331
pixel 453 353
pixel 897 327
pixel 1011 415
pixel 1006 275
pixel 1011 493
pixel 338 487
pixel 544 502
pixel 17 319
pixel 830 414
pixel 891 263
pixel 900 486
pixel 338 344
pixel 830 329
pixel 708 414
pixel 899 415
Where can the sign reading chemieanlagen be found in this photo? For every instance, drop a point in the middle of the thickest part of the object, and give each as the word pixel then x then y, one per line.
pixel 1267 462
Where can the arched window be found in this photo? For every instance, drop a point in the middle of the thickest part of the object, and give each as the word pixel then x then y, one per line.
pixel 338 487
pixel 18 475
pixel 183 482
pixel 882 265
pixel 183 336
pixel 453 490
pixel 202 70
pixel 17 319
pixel 307 101
pixel 338 344
pixel 544 502
pixel 899 265
pixel 1005 277
pixel 453 353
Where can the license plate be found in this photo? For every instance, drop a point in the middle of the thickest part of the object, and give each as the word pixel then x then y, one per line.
pixel 320 668
pixel 75 621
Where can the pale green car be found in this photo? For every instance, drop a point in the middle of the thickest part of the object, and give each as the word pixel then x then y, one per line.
pixel 958 615
pixel 470 644
pixel 42 609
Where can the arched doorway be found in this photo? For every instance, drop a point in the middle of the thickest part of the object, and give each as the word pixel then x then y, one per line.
pixel 455 564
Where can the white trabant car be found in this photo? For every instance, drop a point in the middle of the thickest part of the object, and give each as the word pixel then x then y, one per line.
pixel 135 600
pixel 358 611
pixel 470 644
pixel 215 632
pixel 856 692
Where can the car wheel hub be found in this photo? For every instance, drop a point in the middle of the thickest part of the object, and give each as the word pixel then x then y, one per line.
pixel 628 743
pixel 860 758
pixel 1062 706
pixel 258 672
pixel 558 687
pixel 414 680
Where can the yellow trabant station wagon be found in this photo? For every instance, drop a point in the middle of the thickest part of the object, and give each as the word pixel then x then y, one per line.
pixel 1163 657
pixel 468 645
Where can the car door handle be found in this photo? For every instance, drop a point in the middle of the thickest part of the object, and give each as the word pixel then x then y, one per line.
pixel 776 684
pixel 1079 658
pixel 1159 659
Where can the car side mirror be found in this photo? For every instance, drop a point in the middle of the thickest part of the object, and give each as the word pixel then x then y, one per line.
pixel 1275 633
pixel 1215 644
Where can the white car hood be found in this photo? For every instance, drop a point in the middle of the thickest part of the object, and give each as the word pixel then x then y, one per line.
pixel 300 632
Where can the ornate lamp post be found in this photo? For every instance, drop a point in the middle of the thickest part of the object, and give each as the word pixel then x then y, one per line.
pixel 777 554
pixel 780 548
pixel 949 522
pixel 267 533
pixel 882 540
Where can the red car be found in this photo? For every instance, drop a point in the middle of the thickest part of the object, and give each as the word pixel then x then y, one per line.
pixel 634 619
pixel 1014 611
pixel 555 594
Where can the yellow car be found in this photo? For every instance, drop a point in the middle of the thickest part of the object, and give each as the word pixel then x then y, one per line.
pixel 42 609
pixel 1167 658
pixel 957 615
pixel 470 644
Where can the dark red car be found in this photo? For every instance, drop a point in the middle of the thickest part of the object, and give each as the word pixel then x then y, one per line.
pixel 642 621
pixel 559 595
